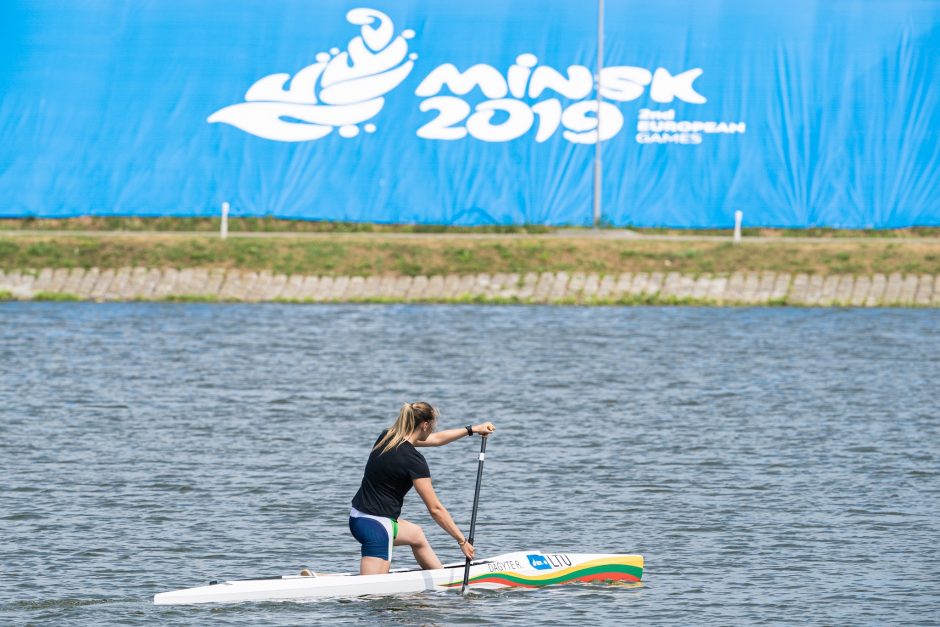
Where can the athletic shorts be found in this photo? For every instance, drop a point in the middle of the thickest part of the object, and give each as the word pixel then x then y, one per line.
pixel 376 533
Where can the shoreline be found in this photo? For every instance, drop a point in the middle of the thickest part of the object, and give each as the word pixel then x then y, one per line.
pixel 230 285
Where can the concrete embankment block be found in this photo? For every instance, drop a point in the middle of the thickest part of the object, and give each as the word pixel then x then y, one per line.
pixel 734 293
pixel 102 285
pixel 799 289
pixel 248 287
pixel 740 288
pixel 451 286
pixel 559 287
pixel 879 284
pixel 88 282
pixel 844 287
pixel 309 289
pixel 497 281
pixel 624 285
pixel 827 295
pixel 529 283
pixel 575 285
pixel 118 284
pixel 340 289
pixel 814 291
pixel 59 276
pixel 435 288
pixel 751 288
pixel 402 285
pixel 166 286
pixel 702 285
pixel 605 288
pixel 231 285
pixel 860 291
pixel 670 286
pixel 19 283
pixel 924 290
pixel 260 286
pixel 43 280
pixel 418 288
pixel 512 287
pixel 908 289
pixel 892 293
pixel 686 287
pixel 781 287
pixel 292 287
pixel 324 290
pixel 373 287
pixel 73 280
pixel 214 282
pixel 765 289
pixel 197 283
pixel 655 284
pixel 277 286
pixel 717 289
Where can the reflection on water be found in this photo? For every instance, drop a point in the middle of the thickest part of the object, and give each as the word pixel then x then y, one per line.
pixel 768 463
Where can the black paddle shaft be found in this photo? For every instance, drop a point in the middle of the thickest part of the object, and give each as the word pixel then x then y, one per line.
pixel 476 504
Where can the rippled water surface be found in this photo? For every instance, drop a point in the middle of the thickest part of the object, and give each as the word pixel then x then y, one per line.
pixel 772 465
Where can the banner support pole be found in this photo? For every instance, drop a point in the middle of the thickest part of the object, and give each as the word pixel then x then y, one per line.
pixel 597 144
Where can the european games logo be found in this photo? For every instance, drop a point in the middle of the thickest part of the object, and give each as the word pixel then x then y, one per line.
pixel 346 89
pixel 342 89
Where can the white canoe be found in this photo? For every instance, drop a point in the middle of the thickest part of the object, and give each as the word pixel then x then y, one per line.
pixel 525 569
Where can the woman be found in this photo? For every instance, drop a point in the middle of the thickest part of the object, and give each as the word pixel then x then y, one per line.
pixel 394 466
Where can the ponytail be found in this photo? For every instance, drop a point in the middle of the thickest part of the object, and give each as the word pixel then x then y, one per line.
pixel 411 416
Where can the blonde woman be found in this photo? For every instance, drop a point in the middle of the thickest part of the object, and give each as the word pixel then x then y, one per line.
pixel 394 466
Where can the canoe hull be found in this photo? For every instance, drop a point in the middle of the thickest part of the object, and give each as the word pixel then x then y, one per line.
pixel 527 569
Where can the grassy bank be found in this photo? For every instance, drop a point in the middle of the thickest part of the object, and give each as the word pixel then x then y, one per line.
pixel 376 254
pixel 273 225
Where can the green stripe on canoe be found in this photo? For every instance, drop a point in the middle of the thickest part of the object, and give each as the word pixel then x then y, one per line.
pixel 584 572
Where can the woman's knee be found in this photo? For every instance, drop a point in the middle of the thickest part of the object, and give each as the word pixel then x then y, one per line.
pixel 411 534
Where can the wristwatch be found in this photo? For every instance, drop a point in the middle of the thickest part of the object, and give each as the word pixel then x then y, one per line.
pixel 469 430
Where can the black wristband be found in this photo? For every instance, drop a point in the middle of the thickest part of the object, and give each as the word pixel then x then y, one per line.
pixel 469 430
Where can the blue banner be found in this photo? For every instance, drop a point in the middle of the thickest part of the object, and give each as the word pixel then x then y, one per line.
pixel 808 113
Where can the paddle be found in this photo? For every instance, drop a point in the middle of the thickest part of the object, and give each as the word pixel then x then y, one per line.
pixel 473 518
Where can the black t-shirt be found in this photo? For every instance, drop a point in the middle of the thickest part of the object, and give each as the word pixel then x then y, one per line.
pixel 388 477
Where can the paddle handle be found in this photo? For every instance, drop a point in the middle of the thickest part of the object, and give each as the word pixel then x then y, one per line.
pixel 476 504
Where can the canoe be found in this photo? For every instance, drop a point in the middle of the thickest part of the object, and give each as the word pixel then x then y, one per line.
pixel 524 569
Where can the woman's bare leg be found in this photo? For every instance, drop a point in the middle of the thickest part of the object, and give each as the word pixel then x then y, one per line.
pixel 373 566
pixel 412 535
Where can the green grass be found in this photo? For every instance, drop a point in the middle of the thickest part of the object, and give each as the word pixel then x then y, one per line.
pixel 56 297
pixel 193 298
pixel 247 225
pixel 379 255
pixel 274 225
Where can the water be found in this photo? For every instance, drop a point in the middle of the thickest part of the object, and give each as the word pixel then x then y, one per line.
pixel 772 465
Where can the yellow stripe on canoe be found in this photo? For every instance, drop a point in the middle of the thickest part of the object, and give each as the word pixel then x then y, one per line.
pixel 628 560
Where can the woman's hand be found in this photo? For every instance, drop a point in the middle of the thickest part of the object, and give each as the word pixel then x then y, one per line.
pixel 484 429
pixel 467 549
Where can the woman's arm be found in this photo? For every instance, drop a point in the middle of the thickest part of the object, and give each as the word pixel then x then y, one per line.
pixel 440 515
pixel 446 437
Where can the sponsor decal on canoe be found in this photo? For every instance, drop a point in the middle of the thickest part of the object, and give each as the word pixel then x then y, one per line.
pixel 539 562
pixel 630 570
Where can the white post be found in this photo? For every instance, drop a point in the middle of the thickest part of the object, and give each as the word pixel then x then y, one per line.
pixel 597 146
pixel 223 233
pixel 738 217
